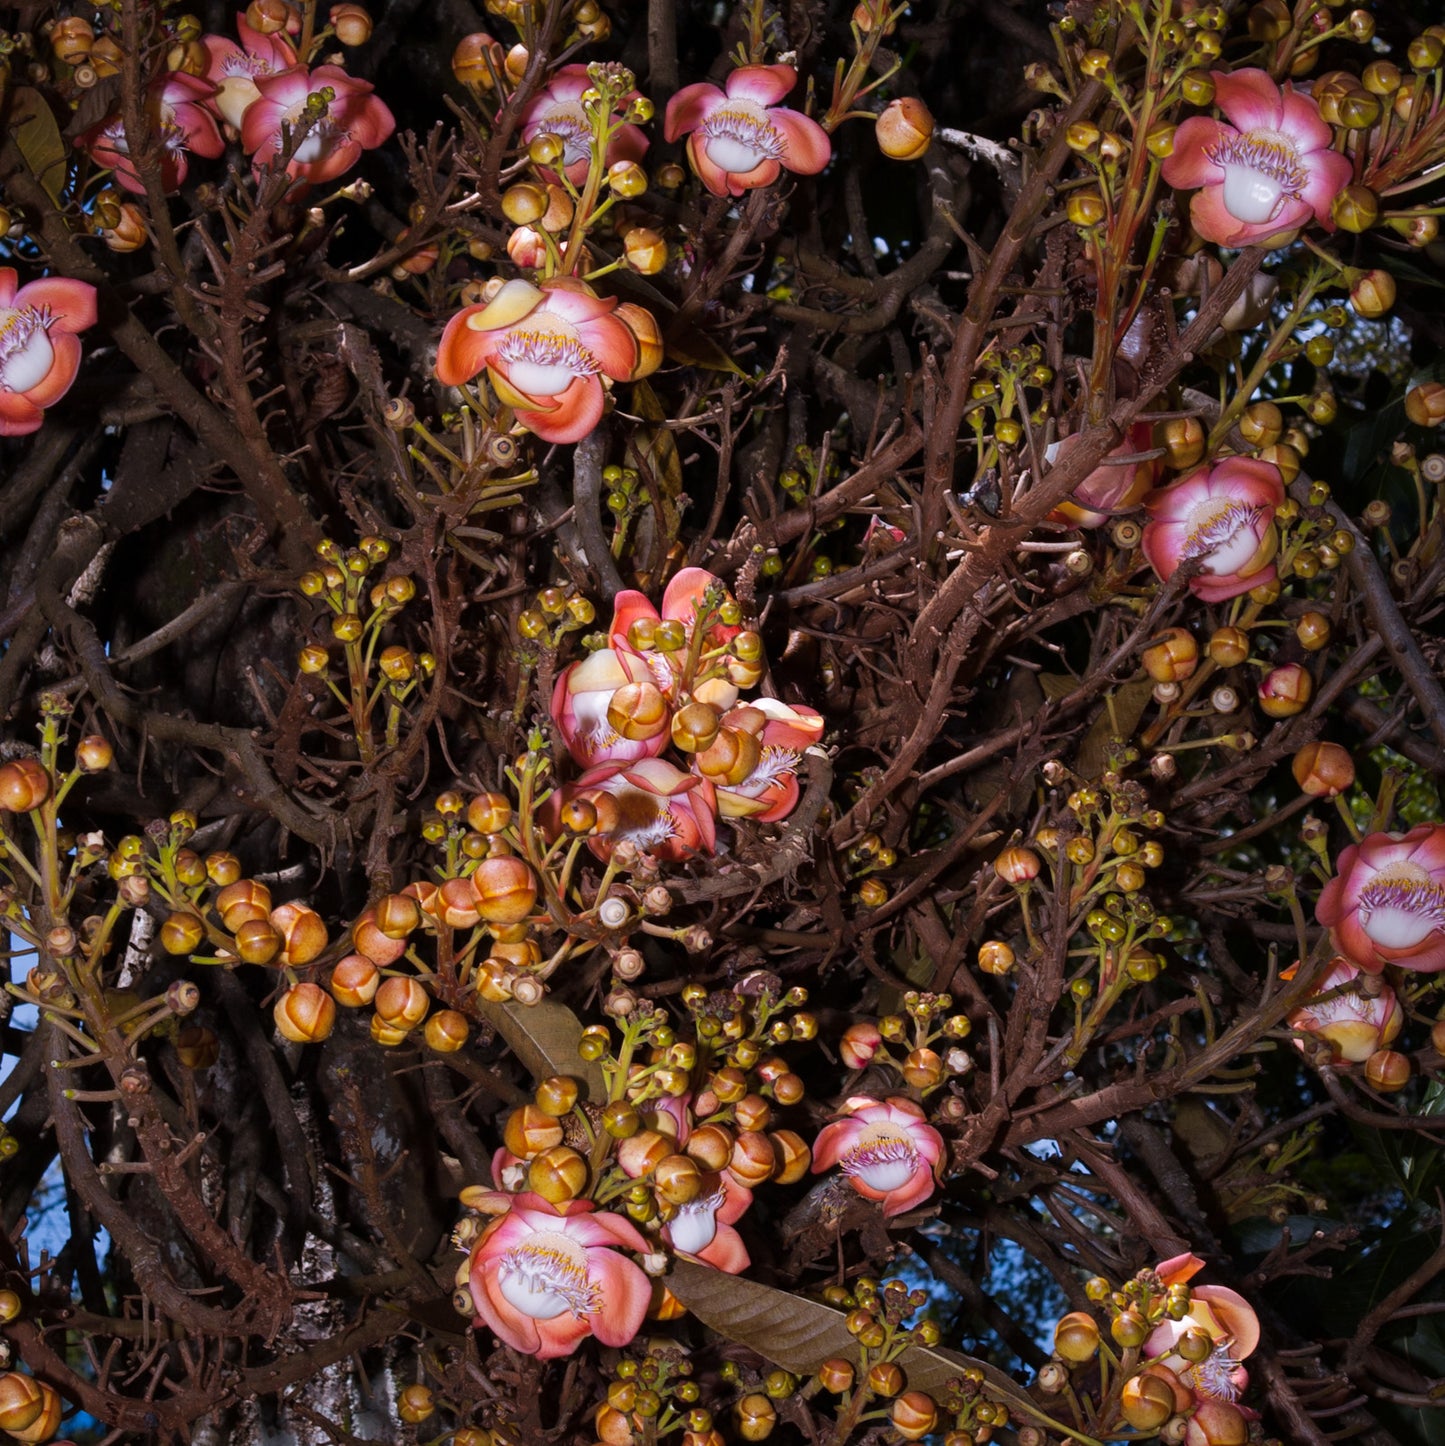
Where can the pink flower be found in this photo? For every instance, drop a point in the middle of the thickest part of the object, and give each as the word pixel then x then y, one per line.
pixel 355 120
pixel 1220 1313
pixel 770 791
pixel 1263 176
pixel 693 591
pixel 233 68
pixel 545 350
pixel 703 1228
pixel 1222 515
pixel 1114 486
pixel 557 110
pixel 39 353
pixel 1354 1024
pixel 886 1148
pixel 1386 903
pixel 544 1278
pixel 667 813
pixel 177 107
pixel 608 709
pixel 740 140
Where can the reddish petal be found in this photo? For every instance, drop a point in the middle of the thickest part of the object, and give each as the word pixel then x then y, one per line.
pixel 628 144
pixel 1428 957
pixel 1210 219
pixel 503 1319
pixel 59 379
pixel 1427 846
pixel 763 174
pixel 17 417
pixel 561 1335
pixel 8 278
pixel 1178 1269
pixel 782 799
pixel 764 84
pixel 628 607
pixel 833 1142
pixel 1249 98
pixel 575 413
pixel 463 351
pixel 612 344
pixel 626 1294
pixel 285 88
pixel 71 303
pixel 370 122
pixel 1221 589
pixel 1301 122
pixel 261 127
pixel 1235 1314
pixel 807 147
pixel 1190 167
pixel 566 85
pixel 689 108
pixel 717 180
pixel 1330 905
pixel 684 594
pixel 1352 940
pixel 1329 174
pixel 726 1252
pixel 606 1229
pixel 575 301
pixel 917 1190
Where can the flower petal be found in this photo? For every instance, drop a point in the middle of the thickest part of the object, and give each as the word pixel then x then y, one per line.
pixel 71 303
pixel 726 1251
pixel 1189 167
pixel 626 1294
pixel 628 607
pixel 763 84
pixel 575 413
pixel 808 148
pixel 64 366
pixel 915 1192
pixel 18 418
pixel 1301 121
pixel 689 108
pixel 1249 98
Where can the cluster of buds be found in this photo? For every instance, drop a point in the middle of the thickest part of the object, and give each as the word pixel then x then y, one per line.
pixel 1178 1371
pixel 928 1021
pixel 653 1394
pixel 674 678
pixel 362 608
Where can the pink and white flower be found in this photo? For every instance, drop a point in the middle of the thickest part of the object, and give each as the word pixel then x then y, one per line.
pixel 1116 485
pixel 665 812
pixel 887 1149
pixel 584 697
pixel 232 67
pixel 770 791
pixel 692 592
pixel 1224 1316
pixel 545 350
pixel 355 120
pixel 39 352
pixel 544 1277
pixel 740 139
pixel 1223 516
pixel 178 109
pixel 1386 903
pixel 557 110
pixel 1262 173
pixel 1354 1024
pixel 703 1228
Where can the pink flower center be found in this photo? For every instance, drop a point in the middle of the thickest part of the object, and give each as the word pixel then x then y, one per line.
pixel 26 355
pixel 1261 169
pixel 1215 1374
pixel 570 125
pixel 774 765
pixel 1225 533
pixel 546 1275
pixel 1402 908
pixel 319 140
pixel 1348 1008
pixel 694 1227
pixel 884 1158
pixel 545 362
pixel 739 137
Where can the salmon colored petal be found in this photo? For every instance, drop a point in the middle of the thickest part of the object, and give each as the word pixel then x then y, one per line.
pixel 717 180
pixel 704 810
pixel 575 414
pixel 833 1142
pixel 1189 167
pixel 689 108
pixel 1329 174
pixel 905 1197
pixel 658 776
pixel 1221 589
pixel 1235 1314
pixel 1249 98
pixel 808 148
pixel 628 607
pixel 684 594
pixel 61 376
pixel 71 303
pixel 1300 120
pixel 1427 843
pixel 763 84
pixel 626 1294
pixel 1179 1268
pixel 8 280
pixel 17 417
pixel 613 346
pixel 726 1251
pixel 606 1229
pixel 575 301
pixel 462 351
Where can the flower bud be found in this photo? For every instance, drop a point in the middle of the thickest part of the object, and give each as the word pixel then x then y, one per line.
pixel 638 711
pixel 1017 865
pixel 524 204
pixel 354 981
pixel 995 957
pixel 1356 208
pixel 46 1421
pixel 1387 1071
pixel 755 1416
pixel 1076 1338
pixel 1183 440
pixel 731 757
pixel 1424 406
pixel 1172 657
pixel 645 249
pixel 182 933
pixel 24 785
pixel 1285 691
pixel 302 932
pixel 305 1014
pixel 22 1401
pixel 401 1003
pixel 268 16
pixel 557 1174
pixel 905 129
pixel 506 890
pixel 860 1042
pixel 351 23
pixel 446 1031
pixel 242 901
pixel 529 1131
pixel 913 1415
pixel 94 754
pixel 793 1154
pixel 1323 770
pixel 754 1158
pixel 1373 294
pixel 836 1375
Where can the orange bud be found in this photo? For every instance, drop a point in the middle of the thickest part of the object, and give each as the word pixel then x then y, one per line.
pixel 885 1378
pixel 71 40
pixel 181 933
pixel 557 1174
pixel 793 1154
pixel 731 757
pixel 457 904
pixel 305 1014
pixel 914 1414
pixel 302 930
pixel 197 1047
pixel 645 249
pixel 22 1400
pixel 268 16
pixel 711 1146
pixel 754 1158
pixel 489 813
pixel 446 1031
pixel 638 711
pixel 752 1112
pixel 528 1132
pixel 258 941
pixel 354 981
pixel 470 60
pixel 1172 656
pixel 1228 647
pixel 1076 1337
pixel 1388 1071
pixel 1017 865
pixel 505 889
pixel 639 1154
pixel 351 23
pixel 1146 1402
pixel 401 1003
pixel 24 785
pixel 47 1419
pixel 1425 404
pixel 677 1179
pixel 1285 691
pixel 1323 770
pixel 905 129
pixel 643 326
pixel 368 939
pixel 243 901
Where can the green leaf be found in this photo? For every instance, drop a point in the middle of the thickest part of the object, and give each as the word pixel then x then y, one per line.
pixel 544 1037
pixel 799 1334
pixel 32 123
